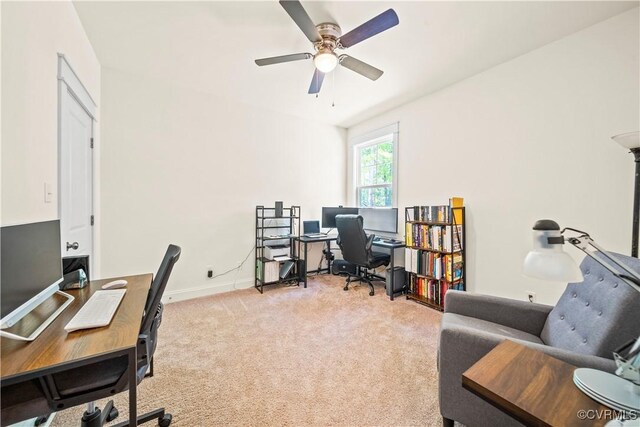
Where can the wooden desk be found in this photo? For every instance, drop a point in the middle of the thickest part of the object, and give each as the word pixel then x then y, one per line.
pixel 532 387
pixel 55 350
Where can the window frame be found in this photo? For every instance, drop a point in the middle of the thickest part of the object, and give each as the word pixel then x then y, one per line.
pixel 386 134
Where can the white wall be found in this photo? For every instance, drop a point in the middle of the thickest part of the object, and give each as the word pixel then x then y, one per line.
pixel 33 33
pixel 187 168
pixel 525 140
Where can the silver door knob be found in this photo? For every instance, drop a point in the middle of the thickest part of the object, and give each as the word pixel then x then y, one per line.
pixel 73 245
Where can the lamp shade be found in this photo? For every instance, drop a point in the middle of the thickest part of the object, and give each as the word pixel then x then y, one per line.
pixel 628 140
pixel 548 261
pixel 325 60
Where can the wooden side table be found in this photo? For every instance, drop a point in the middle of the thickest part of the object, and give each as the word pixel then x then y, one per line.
pixel 533 387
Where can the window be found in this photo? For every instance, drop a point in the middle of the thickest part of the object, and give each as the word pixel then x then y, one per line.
pixel 375 169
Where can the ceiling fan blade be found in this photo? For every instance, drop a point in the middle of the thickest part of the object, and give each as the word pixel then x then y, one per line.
pixel 301 18
pixel 316 82
pixel 362 68
pixel 283 58
pixel 380 23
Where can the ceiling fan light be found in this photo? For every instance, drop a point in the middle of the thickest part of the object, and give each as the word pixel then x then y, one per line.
pixel 325 61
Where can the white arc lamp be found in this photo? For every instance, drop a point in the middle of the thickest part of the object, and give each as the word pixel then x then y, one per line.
pixel 631 140
pixel 548 261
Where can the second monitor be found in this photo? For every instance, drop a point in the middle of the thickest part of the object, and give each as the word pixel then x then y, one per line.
pixel 383 220
pixel 329 215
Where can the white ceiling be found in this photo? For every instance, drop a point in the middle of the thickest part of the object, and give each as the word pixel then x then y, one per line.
pixel 210 47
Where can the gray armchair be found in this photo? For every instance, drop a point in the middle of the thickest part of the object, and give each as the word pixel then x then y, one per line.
pixel 590 321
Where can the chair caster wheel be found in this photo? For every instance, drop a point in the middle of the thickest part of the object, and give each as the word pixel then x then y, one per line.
pixel 165 421
pixel 41 420
pixel 370 293
pixel 113 414
pixel 346 288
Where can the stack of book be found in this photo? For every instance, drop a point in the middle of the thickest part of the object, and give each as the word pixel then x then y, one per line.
pixel 434 253
pixel 438 266
pixel 431 289
pixel 445 238
pixel 453 267
pixel 432 213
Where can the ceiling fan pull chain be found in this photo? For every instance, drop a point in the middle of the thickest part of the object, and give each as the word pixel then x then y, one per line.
pixel 333 88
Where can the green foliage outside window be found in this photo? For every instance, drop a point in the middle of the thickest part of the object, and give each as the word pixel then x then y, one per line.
pixel 376 175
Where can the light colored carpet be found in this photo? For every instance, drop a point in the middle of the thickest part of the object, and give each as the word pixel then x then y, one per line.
pixel 293 356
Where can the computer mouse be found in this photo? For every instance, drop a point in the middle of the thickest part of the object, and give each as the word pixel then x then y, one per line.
pixel 121 283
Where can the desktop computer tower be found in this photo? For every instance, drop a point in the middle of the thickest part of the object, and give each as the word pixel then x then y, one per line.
pixel 398 280
pixel 302 270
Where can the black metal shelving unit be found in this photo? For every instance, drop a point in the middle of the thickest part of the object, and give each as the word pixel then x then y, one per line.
pixel 271 230
pixel 459 283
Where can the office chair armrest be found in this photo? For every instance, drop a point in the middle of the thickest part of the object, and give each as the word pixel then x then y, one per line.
pixel 370 241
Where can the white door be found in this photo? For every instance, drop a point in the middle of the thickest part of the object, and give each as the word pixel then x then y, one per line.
pixel 76 177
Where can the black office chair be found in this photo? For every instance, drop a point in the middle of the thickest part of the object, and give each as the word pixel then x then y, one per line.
pixel 356 249
pixel 95 381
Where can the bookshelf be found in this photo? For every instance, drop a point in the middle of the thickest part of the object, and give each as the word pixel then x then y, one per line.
pixel 276 235
pixel 435 258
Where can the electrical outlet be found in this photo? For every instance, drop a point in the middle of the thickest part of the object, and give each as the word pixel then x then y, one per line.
pixel 48 192
pixel 531 296
pixel 210 272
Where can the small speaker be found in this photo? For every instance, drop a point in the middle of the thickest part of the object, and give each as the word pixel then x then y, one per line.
pixel 279 209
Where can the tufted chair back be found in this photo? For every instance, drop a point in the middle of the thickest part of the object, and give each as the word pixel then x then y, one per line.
pixel 597 315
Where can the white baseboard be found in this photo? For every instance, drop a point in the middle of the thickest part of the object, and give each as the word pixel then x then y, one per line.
pixel 202 291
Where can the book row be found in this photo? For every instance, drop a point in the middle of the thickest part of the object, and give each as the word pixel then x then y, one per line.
pixel 446 238
pixel 447 267
pixel 432 213
pixel 433 290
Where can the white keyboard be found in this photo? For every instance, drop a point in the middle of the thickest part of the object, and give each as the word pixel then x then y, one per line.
pixel 98 311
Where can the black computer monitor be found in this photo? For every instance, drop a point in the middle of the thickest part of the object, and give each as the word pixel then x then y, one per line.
pixel 383 220
pixel 31 267
pixel 329 215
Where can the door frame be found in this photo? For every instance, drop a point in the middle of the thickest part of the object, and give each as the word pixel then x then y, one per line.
pixel 68 81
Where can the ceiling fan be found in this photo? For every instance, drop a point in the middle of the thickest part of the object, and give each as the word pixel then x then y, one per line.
pixel 326 38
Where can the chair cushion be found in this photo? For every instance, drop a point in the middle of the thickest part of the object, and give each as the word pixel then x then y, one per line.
pixel 595 316
pixel 92 377
pixel 452 320
pixel 376 259
pixel 21 401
